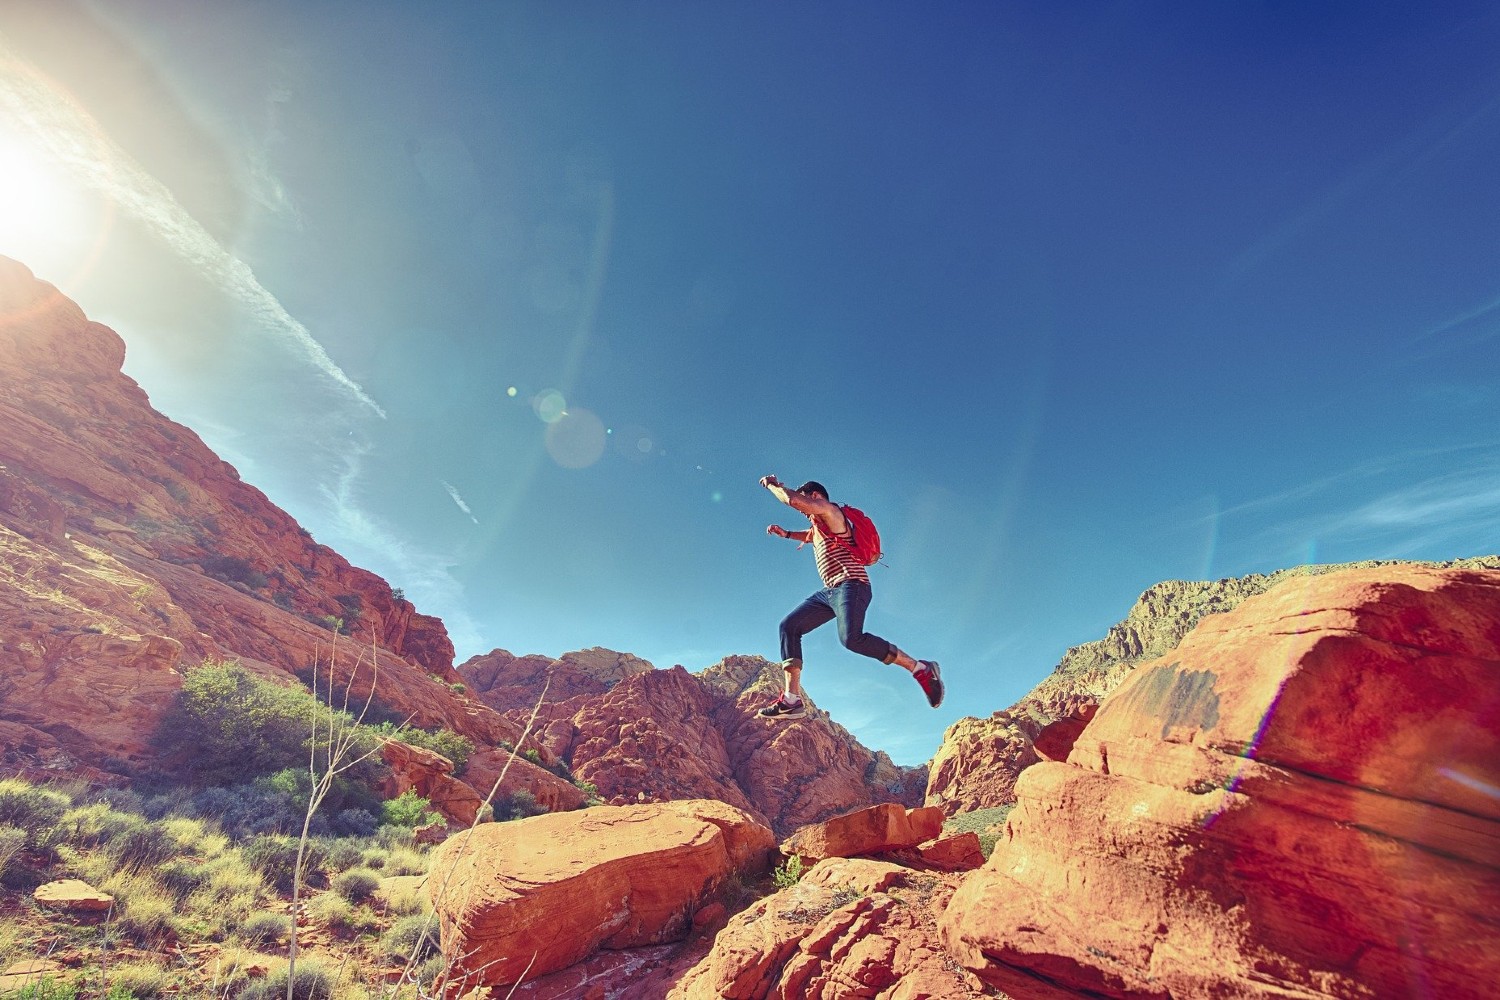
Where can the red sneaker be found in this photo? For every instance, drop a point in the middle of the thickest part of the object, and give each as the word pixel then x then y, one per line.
pixel 931 679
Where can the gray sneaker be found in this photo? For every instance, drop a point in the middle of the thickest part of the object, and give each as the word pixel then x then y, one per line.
pixel 931 679
pixel 781 708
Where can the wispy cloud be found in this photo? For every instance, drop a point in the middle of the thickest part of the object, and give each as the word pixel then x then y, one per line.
pixel 1430 504
pixel 453 492
pixel 72 138
pixel 426 577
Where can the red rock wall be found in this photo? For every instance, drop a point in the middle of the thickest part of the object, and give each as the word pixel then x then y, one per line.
pixel 1298 800
pixel 129 550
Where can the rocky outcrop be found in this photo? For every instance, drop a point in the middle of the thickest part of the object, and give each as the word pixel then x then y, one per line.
pixel 879 829
pixel 977 764
pixel 527 898
pixel 849 928
pixel 640 734
pixel 129 552
pixel 1299 800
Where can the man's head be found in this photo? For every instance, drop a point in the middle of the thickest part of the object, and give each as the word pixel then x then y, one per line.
pixel 813 489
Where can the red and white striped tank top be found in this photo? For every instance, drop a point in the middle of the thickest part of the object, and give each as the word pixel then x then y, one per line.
pixel 836 564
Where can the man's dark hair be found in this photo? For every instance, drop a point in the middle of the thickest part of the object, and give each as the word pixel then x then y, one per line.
pixel 813 487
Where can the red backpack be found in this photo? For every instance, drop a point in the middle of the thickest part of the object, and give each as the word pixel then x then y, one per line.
pixel 865 540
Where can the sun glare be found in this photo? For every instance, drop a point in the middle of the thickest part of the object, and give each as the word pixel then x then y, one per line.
pixel 48 219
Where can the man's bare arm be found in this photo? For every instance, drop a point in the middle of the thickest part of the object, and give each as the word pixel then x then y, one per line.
pixel 813 506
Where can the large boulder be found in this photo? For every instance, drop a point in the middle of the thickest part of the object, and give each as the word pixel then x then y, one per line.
pixel 526 898
pixel 878 829
pixel 1298 800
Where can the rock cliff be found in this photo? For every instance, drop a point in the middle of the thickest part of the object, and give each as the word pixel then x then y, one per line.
pixel 129 550
pixel 979 760
pixel 641 734
pixel 1298 800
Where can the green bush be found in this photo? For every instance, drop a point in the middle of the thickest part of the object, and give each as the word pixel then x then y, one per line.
pixel 46 988
pixel 407 810
pixel 275 858
pixel 411 939
pixel 34 809
pixel 313 981
pixel 265 928
pixel 788 874
pixel 232 727
pixel 356 885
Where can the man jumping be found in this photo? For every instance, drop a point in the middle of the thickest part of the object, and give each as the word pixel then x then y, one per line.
pixel 845 596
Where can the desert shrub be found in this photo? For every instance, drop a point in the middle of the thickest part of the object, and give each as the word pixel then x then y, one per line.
pixel 265 928
pixel 140 844
pixel 407 810
pixel 139 979
pixel 34 809
pixel 182 876
pixel 275 858
pixel 230 894
pixel 231 727
pixel 46 988
pixel 250 810
pixel 143 907
pixel 313 981
pixel 356 885
pixel 174 801
pixel 331 910
pixel 519 804
pixel 402 900
pixel 354 823
pixel 789 874
pixel 411 939
pixel 342 854
pixel 12 843
pixel 398 858
pixel 985 822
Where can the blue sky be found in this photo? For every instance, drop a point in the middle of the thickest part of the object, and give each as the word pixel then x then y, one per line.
pixel 513 303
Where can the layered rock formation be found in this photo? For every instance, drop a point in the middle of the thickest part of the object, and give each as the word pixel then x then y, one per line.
pixel 129 551
pixel 640 734
pixel 524 899
pixel 1299 800
pixel 977 765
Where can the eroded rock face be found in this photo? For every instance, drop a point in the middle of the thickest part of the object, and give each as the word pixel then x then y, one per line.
pixel 129 551
pixel 656 735
pixel 849 928
pixel 977 764
pixel 1299 797
pixel 531 897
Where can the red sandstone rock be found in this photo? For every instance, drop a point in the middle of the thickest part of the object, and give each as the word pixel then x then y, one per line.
pixel 1056 740
pixel 1298 800
pixel 877 830
pixel 430 775
pixel 977 763
pixel 960 852
pixel 74 896
pixel 527 898
pixel 653 735
pixel 129 551
pixel 850 928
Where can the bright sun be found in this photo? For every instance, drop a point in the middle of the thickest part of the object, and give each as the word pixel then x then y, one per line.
pixel 31 198
pixel 48 219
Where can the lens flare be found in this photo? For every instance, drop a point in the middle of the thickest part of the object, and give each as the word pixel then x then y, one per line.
pixel 575 440
pixel 549 405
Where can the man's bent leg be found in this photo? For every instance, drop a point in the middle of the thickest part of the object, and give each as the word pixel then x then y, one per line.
pixel 803 619
pixel 850 601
